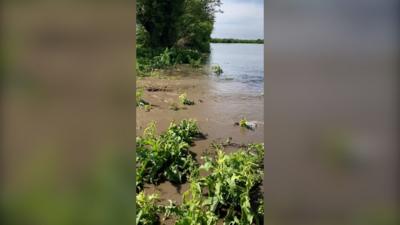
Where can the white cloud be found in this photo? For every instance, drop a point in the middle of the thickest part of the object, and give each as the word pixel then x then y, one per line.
pixel 240 20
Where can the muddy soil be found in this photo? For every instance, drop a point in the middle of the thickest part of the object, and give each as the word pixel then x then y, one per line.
pixel 215 112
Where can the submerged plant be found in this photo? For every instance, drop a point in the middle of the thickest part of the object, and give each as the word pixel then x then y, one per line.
pixel 217 69
pixel 243 122
pixel 246 124
pixel 184 100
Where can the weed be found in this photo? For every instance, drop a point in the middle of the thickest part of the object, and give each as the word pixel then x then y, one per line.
pixel 165 156
pixel 184 100
pixel 150 60
pixel 217 69
pixel 243 123
pixel 147 210
pixel 246 124
pixel 233 180
pixel 195 63
pixel 230 191
pixel 147 108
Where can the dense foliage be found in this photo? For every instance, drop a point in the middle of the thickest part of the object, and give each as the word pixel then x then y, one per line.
pixel 173 32
pixel 230 192
pixel 147 209
pixel 233 182
pixel 165 156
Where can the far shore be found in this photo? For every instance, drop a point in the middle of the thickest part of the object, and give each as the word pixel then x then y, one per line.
pixel 237 41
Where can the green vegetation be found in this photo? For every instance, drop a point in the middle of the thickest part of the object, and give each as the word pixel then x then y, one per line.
pixel 233 181
pixel 167 156
pixel 229 192
pixel 147 108
pixel 232 40
pixel 243 123
pixel 184 100
pixel 246 124
pixel 147 210
pixel 217 69
pixel 173 32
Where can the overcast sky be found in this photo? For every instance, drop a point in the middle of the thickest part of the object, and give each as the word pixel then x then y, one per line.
pixel 241 19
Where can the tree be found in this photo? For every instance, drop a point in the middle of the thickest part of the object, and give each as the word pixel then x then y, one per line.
pixel 160 19
pixel 176 23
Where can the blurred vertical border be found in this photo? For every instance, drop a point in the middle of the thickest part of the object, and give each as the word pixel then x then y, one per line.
pixel 68 116
pixel 67 112
pixel 331 112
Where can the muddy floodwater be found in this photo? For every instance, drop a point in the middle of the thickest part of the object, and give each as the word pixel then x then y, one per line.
pixel 220 101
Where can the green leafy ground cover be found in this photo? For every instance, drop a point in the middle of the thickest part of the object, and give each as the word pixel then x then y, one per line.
pixel 230 192
pixel 166 156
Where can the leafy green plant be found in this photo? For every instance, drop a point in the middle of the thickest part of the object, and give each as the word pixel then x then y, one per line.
pixel 194 210
pixel 196 63
pixel 171 209
pixel 149 61
pixel 243 123
pixel 230 191
pixel 217 69
pixel 147 108
pixel 165 156
pixel 233 179
pixel 147 210
pixel 184 100
pixel 246 124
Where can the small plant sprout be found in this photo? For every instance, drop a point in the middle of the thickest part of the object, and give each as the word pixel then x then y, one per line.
pixel 217 69
pixel 165 156
pixel 243 123
pixel 246 124
pixel 139 98
pixel 147 209
pixel 184 100
pixel 147 108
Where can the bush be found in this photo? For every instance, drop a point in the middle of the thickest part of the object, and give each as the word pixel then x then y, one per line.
pixel 149 60
pixel 165 156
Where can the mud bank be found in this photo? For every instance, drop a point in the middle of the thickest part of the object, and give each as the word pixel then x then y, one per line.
pixel 216 112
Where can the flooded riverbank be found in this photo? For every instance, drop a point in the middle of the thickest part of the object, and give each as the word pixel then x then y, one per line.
pixel 219 104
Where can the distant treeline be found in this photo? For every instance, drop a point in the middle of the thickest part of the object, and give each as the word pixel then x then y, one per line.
pixel 232 40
